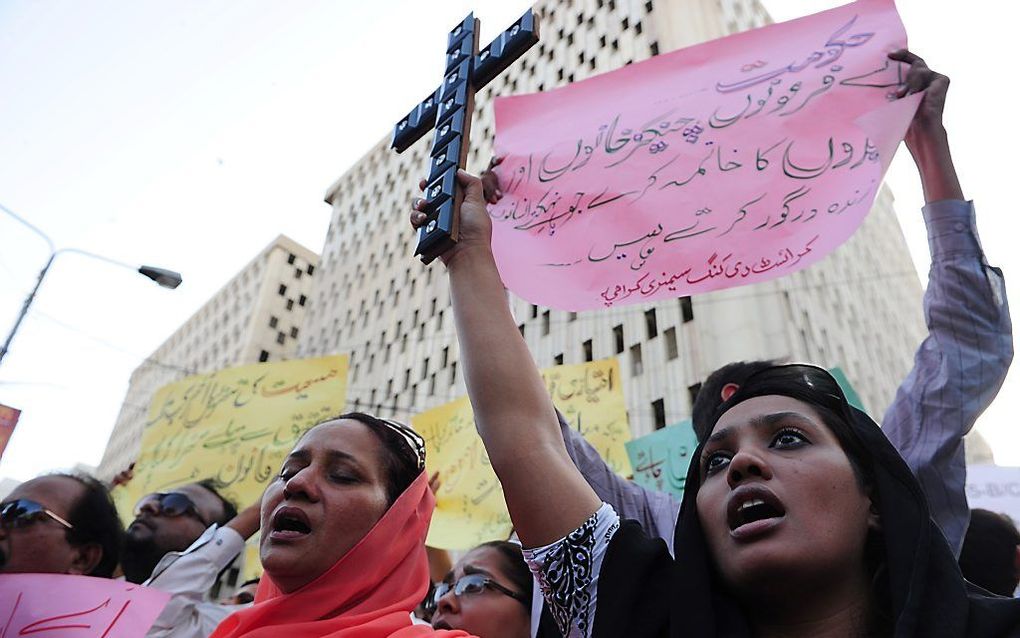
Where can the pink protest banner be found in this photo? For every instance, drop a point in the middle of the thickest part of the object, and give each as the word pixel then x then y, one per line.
pixel 76 606
pixel 724 164
pixel 8 419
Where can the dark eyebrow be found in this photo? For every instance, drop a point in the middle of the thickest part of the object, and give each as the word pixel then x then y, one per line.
pixel 298 455
pixel 764 421
pixel 334 456
pixel 331 455
pixel 471 569
pixel 718 436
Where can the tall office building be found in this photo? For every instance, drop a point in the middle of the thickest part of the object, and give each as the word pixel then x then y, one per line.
pixel 256 316
pixel 860 309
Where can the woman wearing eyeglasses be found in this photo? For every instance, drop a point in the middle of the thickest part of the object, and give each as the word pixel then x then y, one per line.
pixel 487 593
pixel 799 518
pixel 343 537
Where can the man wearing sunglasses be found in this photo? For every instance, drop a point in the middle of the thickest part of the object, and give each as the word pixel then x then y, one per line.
pixel 60 524
pixel 179 542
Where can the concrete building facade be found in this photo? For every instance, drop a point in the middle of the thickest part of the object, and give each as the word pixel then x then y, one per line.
pixel 256 316
pixel 860 309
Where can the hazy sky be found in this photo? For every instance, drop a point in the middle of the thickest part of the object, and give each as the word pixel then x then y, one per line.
pixel 188 134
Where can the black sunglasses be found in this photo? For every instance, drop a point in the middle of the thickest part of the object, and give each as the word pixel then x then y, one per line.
pixel 22 512
pixel 169 504
pixel 471 584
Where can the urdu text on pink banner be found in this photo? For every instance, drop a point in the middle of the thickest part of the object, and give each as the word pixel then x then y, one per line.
pixel 77 606
pixel 723 164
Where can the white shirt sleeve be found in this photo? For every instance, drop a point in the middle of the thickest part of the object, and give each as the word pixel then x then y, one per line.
pixel 567 571
pixel 188 576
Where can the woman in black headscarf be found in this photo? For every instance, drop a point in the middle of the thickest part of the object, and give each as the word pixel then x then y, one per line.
pixel 799 518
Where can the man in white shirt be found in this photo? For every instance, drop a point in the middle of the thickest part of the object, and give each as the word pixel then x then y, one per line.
pixel 179 543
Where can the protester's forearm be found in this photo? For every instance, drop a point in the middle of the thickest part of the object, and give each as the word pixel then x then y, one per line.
pixel 247 521
pixel 546 496
pixel 499 372
pixel 935 164
pixel 958 368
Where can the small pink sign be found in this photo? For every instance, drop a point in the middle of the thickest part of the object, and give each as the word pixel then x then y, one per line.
pixel 724 164
pixel 8 419
pixel 76 606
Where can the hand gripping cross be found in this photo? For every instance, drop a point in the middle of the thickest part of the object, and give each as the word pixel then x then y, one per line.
pixel 448 110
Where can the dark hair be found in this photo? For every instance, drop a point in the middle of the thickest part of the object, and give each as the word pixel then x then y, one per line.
pixel 95 520
pixel 400 462
pixel 229 509
pixel 709 395
pixel 989 552
pixel 817 388
pixel 513 564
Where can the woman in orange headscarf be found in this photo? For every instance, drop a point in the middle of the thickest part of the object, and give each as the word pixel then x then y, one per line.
pixel 343 537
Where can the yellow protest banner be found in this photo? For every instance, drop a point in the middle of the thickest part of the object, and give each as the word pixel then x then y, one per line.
pixel 233 426
pixel 469 505
pixel 252 565
pixel 590 396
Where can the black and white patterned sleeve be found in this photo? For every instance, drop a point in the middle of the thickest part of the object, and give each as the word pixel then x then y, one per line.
pixel 568 571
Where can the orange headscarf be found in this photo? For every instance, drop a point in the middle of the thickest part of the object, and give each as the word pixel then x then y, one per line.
pixel 369 593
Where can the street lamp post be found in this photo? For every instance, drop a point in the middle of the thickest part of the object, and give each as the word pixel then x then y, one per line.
pixel 163 277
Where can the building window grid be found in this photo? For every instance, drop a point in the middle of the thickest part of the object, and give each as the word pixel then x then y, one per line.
pixel 651 324
pixel 618 341
pixel 636 361
pixel 659 413
pixel 686 309
pixel 669 339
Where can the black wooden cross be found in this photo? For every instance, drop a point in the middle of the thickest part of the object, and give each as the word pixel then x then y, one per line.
pixel 449 111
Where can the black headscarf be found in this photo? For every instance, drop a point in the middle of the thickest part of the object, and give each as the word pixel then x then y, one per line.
pixel 924 593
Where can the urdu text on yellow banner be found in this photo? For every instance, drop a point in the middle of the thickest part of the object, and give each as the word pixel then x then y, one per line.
pixel 469 505
pixel 234 426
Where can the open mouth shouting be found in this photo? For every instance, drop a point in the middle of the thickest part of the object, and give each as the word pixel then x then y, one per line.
pixel 289 524
pixel 752 511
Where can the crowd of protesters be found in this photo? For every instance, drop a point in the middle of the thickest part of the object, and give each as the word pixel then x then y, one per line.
pixel 800 517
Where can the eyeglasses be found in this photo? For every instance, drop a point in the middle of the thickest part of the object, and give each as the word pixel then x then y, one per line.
pixel 472 584
pixel 413 439
pixel 22 512
pixel 169 504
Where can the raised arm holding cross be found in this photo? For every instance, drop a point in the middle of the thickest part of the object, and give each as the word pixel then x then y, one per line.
pixel 449 109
